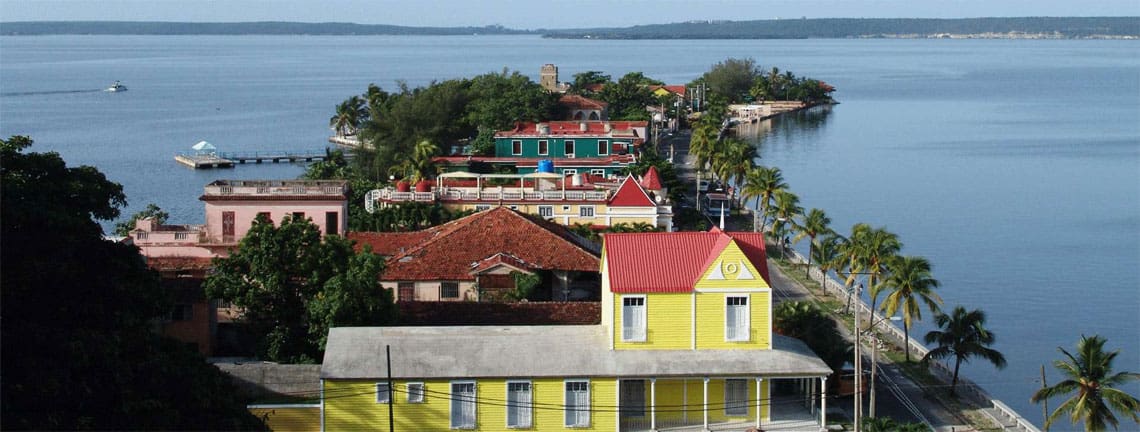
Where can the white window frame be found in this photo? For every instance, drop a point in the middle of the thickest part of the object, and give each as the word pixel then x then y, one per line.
pixel 454 400
pixel 545 211
pixel 603 147
pixel 744 335
pixel 642 333
pixel 571 146
pixel 516 144
pixel 482 207
pixel 382 397
pixel 528 407
pixel 579 412
pixel 582 210
pixel 569 171
pixel 543 147
pixel 598 172
pixel 415 396
pixel 740 409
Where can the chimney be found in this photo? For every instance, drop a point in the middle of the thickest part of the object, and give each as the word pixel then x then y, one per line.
pixel 608 127
pixel 583 127
pixel 544 128
pixel 576 180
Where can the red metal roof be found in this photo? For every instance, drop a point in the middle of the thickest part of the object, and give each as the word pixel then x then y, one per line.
pixel 672 262
pixel 449 251
pixel 533 161
pixel 630 194
pixel 651 180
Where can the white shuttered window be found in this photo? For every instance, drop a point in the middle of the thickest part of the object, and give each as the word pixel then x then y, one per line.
pixel 736 318
pixel 518 404
pixel 577 404
pixel 633 319
pixel 462 405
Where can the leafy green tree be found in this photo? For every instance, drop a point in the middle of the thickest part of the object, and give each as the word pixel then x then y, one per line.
pixel 1097 397
pixel 292 287
pixel 78 348
pixel 810 324
pixel 499 100
pixel 962 335
pixel 484 143
pixel 524 285
pixel 887 424
pixel 123 229
pixel 583 80
pixel 732 78
pixel 629 97
pixel 910 282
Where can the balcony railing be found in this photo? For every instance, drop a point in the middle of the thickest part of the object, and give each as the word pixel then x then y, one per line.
pixel 275 187
pixel 493 195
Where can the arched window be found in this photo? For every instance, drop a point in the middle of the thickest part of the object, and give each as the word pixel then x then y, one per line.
pixel 594 115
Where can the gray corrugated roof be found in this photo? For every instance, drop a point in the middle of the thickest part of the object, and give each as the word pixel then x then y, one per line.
pixel 542 351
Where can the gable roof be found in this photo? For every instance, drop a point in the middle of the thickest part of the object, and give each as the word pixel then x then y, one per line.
pixel 651 180
pixel 450 251
pixel 673 262
pixel 630 194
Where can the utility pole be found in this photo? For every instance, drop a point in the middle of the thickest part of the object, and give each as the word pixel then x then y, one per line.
pixel 1044 403
pixel 391 400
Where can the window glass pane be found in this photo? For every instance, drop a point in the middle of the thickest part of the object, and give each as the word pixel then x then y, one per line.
pixel 382 393
pixel 449 290
pixel 633 319
pixel 518 404
pixel 736 318
pixel 736 397
pixel 463 405
pixel 577 403
pixel 416 392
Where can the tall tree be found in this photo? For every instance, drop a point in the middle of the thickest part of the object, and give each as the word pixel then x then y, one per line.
pixel 962 335
pixel 1090 376
pixel 812 224
pixel 583 81
pixel 78 347
pixel 288 281
pixel 827 256
pixel 784 211
pixel 870 249
pixel 809 323
pixel 629 97
pixel 910 282
pixel 762 183
pixel 123 229
pixel 732 78
pixel 499 100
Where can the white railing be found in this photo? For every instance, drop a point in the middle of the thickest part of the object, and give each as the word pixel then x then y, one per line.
pixel 250 187
pixel 888 328
pixel 449 194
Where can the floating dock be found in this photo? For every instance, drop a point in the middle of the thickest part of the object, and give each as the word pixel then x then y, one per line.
pixel 230 159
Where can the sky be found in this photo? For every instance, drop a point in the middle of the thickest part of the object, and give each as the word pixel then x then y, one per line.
pixel 532 14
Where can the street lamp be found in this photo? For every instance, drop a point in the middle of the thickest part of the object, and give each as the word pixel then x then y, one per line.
pixel 657 132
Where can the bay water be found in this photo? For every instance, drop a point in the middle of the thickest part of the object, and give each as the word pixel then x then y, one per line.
pixel 1013 165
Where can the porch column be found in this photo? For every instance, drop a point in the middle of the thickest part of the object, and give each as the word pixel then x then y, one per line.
pixel 478 187
pixel 811 392
pixel 685 400
pixel 653 404
pixel 705 407
pixel 617 396
pixel 823 403
pixel 759 399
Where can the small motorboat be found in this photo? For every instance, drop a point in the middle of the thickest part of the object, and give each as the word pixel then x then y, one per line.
pixel 117 87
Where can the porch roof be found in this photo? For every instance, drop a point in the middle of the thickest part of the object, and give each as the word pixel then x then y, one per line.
pixel 543 351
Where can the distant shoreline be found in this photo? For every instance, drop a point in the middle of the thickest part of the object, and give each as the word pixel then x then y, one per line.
pixel 824 28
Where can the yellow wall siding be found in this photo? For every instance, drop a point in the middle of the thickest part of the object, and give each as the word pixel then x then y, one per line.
pixel 710 321
pixel 668 322
pixel 290 419
pixel 351 405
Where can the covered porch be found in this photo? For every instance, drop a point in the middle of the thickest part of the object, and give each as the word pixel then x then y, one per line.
pixel 722 404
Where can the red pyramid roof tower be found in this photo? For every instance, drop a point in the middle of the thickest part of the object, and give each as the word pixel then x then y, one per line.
pixel 651 180
pixel 631 194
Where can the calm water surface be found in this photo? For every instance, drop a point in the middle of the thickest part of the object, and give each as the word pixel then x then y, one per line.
pixel 1014 166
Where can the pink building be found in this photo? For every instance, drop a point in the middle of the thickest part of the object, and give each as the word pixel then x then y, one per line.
pixel 182 253
pixel 231 207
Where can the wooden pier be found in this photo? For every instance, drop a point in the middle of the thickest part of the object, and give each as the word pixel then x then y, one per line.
pixel 231 159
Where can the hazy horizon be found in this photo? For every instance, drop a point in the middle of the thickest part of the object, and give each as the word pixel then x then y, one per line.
pixel 526 14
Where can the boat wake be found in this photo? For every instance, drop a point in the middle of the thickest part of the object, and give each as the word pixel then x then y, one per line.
pixel 50 92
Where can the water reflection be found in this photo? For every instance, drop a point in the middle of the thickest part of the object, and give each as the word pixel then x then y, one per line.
pixel 801 128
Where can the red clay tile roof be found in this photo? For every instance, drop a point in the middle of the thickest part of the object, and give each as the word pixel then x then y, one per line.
pixel 500 259
pixel 448 251
pixel 175 263
pixel 581 102
pixel 651 180
pixel 672 262
pixel 596 87
pixel 533 161
pixel 630 194
pixel 388 243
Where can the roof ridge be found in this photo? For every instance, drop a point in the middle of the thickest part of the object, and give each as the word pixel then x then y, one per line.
pixel 451 227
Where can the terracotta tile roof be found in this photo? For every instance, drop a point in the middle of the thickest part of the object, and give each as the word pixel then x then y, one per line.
pixel 176 263
pixel 500 259
pixel 388 243
pixel 596 87
pixel 574 101
pixel 448 251
pixel 651 180
pixel 630 194
pixel 672 262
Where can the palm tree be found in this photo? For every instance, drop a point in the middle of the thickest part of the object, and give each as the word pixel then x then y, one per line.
pixel 848 268
pixel 963 335
pixel 827 256
pixel 349 115
pixel 418 165
pixel 761 183
pixel 872 248
pixel 784 211
pixel 814 223
pixel 910 282
pixel 1090 374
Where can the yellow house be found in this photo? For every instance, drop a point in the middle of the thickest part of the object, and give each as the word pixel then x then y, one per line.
pixel 685 343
